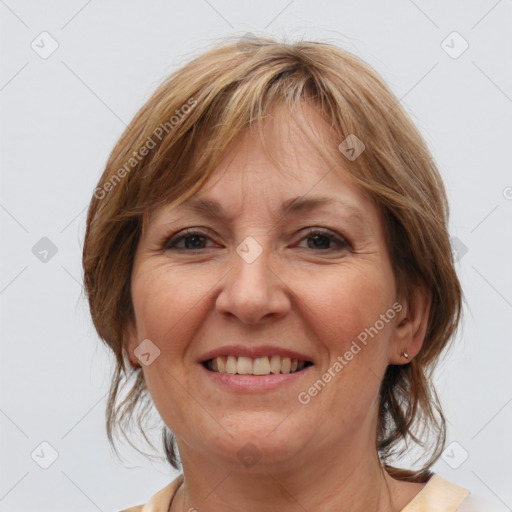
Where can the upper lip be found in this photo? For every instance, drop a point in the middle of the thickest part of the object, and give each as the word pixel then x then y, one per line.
pixel 253 352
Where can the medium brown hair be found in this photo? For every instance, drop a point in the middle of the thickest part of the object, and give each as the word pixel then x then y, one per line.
pixel 178 137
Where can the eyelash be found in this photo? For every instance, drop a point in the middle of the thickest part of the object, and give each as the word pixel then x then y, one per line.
pixel 170 243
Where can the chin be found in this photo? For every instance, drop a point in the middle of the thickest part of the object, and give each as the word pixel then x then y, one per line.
pixel 250 441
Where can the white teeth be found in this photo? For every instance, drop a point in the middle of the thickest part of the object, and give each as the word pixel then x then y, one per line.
pixel 231 365
pixel 286 365
pixel 275 364
pixel 244 365
pixel 258 366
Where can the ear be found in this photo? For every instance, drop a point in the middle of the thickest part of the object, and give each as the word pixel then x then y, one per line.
pixel 130 342
pixel 411 326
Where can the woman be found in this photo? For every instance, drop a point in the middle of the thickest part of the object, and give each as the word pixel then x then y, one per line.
pixel 267 256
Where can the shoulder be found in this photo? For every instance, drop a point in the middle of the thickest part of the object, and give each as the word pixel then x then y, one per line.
pixel 442 495
pixel 160 500
pixel 438 495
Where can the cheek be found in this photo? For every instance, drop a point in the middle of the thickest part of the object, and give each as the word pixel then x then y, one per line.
pixel 352 297
pixel 168 304
pixel 347 308
pixel 164 300
pixel 344 315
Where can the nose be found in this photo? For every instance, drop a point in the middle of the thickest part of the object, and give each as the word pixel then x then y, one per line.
pixel 253 290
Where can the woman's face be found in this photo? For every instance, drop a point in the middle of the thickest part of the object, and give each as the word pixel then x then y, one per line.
pixel 312 283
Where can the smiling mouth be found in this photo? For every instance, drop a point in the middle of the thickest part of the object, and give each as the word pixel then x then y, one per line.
pixel 255 366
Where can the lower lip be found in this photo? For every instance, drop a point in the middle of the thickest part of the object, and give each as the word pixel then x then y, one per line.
pixel 255 383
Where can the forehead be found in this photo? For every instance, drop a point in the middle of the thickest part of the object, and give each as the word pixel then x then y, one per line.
pixel 212 208
pixel 287 164
pixel 328 199
pixel 266 192
pixel 290 163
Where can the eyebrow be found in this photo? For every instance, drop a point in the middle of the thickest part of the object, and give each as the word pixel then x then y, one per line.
pixel 299 204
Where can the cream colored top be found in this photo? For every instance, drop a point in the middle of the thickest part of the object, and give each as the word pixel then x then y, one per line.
pixel 438 495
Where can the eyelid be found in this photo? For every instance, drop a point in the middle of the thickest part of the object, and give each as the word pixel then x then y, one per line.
pixel 176 236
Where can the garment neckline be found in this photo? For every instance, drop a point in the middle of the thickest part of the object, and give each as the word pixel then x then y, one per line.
pixel 180 479
pixel 422 491
pixel 431 483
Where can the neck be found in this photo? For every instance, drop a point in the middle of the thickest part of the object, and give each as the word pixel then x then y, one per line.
pixel 351 479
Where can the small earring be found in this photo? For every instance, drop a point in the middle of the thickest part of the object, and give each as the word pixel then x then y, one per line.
pixel 405 354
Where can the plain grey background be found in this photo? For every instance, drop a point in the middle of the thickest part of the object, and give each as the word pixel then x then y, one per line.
pixel 74 72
